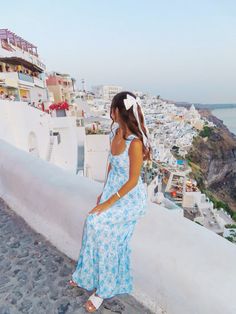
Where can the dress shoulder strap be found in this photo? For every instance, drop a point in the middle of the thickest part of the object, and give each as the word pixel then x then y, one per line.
pixel 130 138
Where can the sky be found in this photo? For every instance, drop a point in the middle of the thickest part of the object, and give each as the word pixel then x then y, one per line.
pixel 182 50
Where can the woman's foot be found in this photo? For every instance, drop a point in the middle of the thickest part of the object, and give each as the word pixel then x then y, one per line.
pixel 93 303
pixel 72 283
pixel 90 307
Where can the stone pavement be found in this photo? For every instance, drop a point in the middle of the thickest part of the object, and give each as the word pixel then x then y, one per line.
pixel 34 275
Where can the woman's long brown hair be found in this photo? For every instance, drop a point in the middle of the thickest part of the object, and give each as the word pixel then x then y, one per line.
pixel 129 119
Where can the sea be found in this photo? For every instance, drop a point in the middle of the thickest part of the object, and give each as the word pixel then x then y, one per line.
pixel 228 115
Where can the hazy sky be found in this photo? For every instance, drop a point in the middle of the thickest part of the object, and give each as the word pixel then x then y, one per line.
pixel 182 50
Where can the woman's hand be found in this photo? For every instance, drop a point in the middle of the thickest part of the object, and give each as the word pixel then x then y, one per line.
pixel 100 208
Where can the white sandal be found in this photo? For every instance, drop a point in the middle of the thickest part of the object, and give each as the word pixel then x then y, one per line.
pixel 96 301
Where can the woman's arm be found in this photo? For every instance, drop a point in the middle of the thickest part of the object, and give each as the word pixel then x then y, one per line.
pixel 136 161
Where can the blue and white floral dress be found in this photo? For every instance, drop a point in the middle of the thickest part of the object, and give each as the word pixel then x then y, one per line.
pixel 104 261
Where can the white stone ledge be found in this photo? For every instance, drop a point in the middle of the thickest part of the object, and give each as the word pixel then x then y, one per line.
pixel 179 267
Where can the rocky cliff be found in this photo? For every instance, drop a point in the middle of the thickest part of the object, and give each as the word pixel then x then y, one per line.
pixel 213 157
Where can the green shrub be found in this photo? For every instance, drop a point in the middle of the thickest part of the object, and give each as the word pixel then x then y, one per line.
pixel 206 131
pixel 234 216
pixel 230 226
pixel 198 223
pixel 220 204
pixel 231 239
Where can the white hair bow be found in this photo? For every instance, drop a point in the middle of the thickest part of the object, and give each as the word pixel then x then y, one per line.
pixel 131 101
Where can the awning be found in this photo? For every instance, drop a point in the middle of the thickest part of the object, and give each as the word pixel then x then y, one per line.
pixel 16 61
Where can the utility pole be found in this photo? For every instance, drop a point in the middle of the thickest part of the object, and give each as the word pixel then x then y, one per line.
pixel 83 85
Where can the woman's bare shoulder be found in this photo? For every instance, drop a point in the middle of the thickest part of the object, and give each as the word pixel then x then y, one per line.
pixel 136 145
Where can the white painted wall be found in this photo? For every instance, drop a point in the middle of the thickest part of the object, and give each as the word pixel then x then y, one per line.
pixel 97 148
pixel 38 93
pixel 178 265
pixel 65 154
pixel 18 121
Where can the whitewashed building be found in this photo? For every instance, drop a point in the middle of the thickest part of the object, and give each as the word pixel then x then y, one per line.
pixel 106 92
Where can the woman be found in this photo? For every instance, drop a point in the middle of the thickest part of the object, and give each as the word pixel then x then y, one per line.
pixel 104 261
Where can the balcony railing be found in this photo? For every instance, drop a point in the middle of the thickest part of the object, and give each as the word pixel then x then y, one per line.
pixel 25 77
pixel 39 82
pixel 8 76
pixel 9 79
